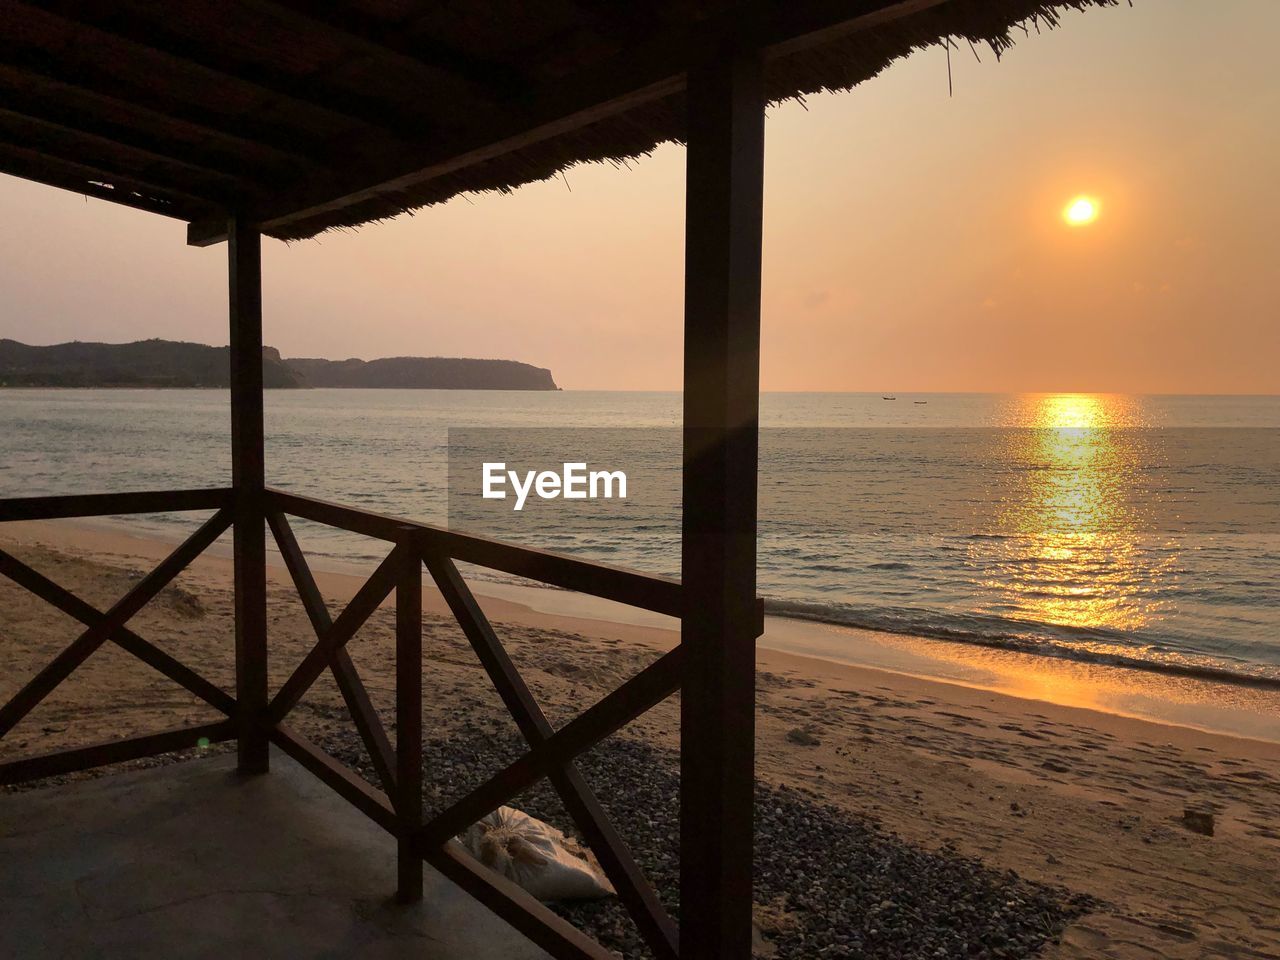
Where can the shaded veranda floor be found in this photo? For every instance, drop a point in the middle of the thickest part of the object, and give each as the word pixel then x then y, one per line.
pixel 191 860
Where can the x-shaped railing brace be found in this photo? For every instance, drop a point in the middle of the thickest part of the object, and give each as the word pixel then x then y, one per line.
pixel 330 649
pixel 548 754
pixel 111 626
pixel 551 753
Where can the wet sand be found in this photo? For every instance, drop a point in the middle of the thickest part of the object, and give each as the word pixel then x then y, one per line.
pixel 1061 793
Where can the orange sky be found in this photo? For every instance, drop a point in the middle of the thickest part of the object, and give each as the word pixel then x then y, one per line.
pixel 912 241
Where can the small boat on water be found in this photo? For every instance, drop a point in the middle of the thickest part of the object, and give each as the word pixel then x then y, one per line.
pixel 888 398
pixel 919 401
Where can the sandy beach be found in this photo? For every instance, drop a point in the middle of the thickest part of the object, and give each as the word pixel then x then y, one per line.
pixel 1062 794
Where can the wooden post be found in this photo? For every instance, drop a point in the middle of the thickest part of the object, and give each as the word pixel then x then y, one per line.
pixel 248 477
pixel 409 720
pixel 724 184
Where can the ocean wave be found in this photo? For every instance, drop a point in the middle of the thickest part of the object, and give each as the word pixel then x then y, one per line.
pixel 1152 654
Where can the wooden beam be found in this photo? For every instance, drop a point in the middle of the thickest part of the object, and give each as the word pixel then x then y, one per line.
pixel 62 666
pixel 88 615
pixel 174 669
pixel 244 271
pixel 43 174
pixel 543 119
pixel 646 72
pixel 789 28
pixel 105 184
pixel 93 130
pixel 514 692
pixel 367 598
pixel 356 791
pixel 548 930
pixel 43 144
pixel 723 212
pixel 153 109
pixel 409 721
pixel 26 769
pixel 435 64
pixel 633 889
pixel 623 24
pixel 110 504
pixel 344 670
pixel 94 27
pixel 642 692
pixel 636 589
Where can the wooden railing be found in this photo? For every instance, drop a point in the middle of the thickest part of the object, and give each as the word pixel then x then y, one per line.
pixel 398 805
pixel 111 626
pixel 551 752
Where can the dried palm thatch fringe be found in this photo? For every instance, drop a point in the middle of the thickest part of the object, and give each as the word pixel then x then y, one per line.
pixel 837 65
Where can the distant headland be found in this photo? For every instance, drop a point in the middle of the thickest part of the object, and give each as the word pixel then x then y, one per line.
pixel 175 364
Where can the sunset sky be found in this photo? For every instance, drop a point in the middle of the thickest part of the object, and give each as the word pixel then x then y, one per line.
pixel 913 241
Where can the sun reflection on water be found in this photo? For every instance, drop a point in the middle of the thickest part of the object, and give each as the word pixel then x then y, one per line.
pixel 1073 537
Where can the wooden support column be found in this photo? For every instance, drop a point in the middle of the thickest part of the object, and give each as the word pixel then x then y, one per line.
pixel 409 719
pixel 724 184
pixel 248 478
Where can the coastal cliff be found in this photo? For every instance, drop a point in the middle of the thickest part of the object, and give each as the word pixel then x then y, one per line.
pixel 146 363
pixel 174 364
pixel 433 373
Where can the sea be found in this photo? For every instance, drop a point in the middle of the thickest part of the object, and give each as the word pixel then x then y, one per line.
pixel 1139 531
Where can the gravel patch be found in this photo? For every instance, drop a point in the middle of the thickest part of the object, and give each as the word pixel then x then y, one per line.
pixel 827 884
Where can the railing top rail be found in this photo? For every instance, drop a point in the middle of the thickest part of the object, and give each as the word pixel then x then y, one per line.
pixel 631 587
pixel 110 504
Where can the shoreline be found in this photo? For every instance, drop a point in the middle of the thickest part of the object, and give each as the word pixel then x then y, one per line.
pixel 1117 661
pixel 1164 697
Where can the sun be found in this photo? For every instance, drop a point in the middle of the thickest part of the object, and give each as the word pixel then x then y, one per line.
pixel 1080 211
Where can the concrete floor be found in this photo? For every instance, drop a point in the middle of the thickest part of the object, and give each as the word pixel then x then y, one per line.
pixel 191 861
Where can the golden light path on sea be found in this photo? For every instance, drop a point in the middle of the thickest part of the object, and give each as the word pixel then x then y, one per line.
pixel 1073 517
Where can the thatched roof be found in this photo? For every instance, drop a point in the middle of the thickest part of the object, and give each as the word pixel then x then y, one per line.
pixel 308 117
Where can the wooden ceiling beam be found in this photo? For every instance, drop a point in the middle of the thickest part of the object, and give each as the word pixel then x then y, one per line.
pixel 432 61
pixel 93 26
pixel 96 168
pixel 648 72
pixel 153 109
pixel 791 27
pixel 422 166
pixel 89 182
pixel 17 115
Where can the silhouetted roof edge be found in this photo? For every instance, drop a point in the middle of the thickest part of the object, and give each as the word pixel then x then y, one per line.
pixel 837 64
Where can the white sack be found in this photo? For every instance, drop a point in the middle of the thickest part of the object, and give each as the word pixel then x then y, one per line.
pixel 535 856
